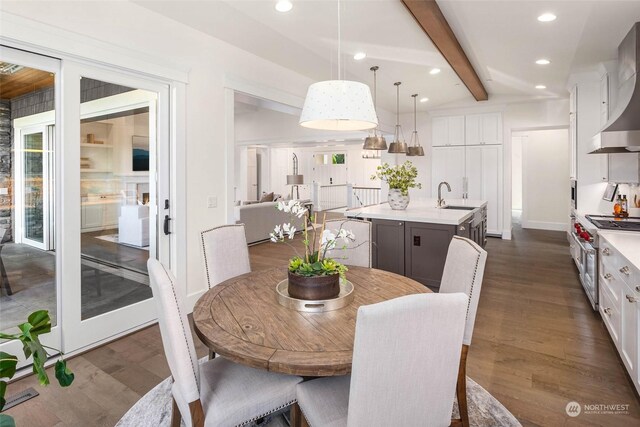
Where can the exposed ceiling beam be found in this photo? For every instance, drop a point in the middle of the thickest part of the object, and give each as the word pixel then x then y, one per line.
pixel 430 18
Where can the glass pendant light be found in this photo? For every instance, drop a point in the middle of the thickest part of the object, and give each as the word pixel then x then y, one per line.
pixel 415 149
pixel 375 141
pixel 339 104
pixel 397 146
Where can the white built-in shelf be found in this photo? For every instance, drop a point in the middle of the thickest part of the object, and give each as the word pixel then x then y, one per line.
pixel 94 170
pixel 96 145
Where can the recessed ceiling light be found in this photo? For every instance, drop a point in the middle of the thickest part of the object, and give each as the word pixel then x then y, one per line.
pixel 541 87
pixel 434 71
pixel 547 17
pixel 543 62
pixel 424 99
pixel 359 56
pixel 284 6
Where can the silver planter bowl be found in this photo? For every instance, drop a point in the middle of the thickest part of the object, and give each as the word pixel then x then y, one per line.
pixel 397 201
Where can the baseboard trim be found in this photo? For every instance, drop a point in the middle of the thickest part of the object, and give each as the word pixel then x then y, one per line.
pixel 543 225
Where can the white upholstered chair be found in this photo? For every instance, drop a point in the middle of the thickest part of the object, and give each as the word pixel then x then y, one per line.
pixel 217 392
pixel 405 362
pixel 226 254
pixel 356 253
pixel 463 272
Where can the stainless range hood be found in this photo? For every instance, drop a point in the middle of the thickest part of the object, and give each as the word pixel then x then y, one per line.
pixel 621 134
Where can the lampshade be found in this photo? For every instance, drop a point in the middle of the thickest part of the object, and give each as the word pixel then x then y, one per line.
pixel 339 105
pixel 397 148
pixel 415 151
pixel 375 142
pixel 295 180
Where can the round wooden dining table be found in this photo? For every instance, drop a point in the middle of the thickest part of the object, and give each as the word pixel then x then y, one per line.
pixel 242 320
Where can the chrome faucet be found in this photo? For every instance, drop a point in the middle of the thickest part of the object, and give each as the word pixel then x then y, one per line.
pixel 441 203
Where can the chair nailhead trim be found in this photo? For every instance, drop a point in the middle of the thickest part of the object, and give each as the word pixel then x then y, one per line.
pixel 184 333
pixel 244 423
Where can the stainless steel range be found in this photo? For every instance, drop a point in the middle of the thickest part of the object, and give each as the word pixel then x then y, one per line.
pixel 583 243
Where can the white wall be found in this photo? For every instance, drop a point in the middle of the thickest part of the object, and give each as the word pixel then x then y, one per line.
pixel 545 188
pixel 212 64
pixel 516 172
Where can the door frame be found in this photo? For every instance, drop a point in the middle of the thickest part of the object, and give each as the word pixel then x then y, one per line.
pixel 48 167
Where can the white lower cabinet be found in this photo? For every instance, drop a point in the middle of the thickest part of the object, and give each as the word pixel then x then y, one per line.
pixel 629 341
pixel 620 305
pixel 98 216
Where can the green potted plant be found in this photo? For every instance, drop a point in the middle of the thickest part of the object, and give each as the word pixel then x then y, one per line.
pixel 38 323
pixel 312 276
pixel 400 179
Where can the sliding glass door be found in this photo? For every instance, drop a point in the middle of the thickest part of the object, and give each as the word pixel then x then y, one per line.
pixel 30 266
pixel 80 218
pixel 113 183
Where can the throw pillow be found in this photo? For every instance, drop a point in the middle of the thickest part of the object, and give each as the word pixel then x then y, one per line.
pixel 266 197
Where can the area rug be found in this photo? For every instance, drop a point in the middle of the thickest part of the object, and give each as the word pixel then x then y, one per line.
pixel 113 238
pixel 154 409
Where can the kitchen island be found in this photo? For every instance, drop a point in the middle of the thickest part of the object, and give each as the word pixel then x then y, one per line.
pixel 414 242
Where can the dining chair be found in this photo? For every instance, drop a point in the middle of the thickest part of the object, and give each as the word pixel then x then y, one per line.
pixel 226 253
pixel 358 252
pixel 463 272
pixel 405 361
pixel 217 392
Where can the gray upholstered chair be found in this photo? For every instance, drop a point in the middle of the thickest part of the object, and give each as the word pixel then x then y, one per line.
pixel 405 362
pixel 356 253
pixel 463 272
pixel 217 392
pixel 226 254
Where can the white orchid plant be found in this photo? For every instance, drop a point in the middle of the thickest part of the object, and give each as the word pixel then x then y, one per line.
pixel 315 261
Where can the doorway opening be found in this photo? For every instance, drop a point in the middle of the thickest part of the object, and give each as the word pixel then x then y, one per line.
pixel 540 187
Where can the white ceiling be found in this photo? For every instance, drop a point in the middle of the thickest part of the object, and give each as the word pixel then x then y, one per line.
pixel 502 39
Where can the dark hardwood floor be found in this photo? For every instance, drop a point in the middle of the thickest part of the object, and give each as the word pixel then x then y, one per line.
pixel 537 345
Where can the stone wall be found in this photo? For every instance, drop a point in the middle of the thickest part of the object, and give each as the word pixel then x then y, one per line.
pixel 6 181
pixel 44 99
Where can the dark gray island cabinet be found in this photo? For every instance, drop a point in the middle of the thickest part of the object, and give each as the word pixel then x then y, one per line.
pixel 418 249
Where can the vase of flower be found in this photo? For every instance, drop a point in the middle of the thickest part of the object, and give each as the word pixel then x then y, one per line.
pixel 400 179
pixel 397 200
pixel 314 275
pixel 314 287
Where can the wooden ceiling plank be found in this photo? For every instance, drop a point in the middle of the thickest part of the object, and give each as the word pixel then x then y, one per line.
pixel 428 15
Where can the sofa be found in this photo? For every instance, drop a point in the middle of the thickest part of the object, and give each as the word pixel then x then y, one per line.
pixel 259 219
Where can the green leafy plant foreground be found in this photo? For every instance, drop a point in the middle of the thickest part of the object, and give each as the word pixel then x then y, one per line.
pixel 38 323
pixel 400 177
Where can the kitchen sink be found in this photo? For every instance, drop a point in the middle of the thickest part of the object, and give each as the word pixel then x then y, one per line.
pixel 459 208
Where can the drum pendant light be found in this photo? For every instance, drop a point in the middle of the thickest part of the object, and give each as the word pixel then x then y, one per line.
pixel 375 141
pixel 415 149
pixel 397 146
pixel 339 104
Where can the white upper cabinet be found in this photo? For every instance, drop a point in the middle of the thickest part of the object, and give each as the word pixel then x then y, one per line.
pixel 483 129
pixel 447 131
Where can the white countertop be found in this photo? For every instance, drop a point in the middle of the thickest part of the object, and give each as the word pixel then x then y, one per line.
pixel 421 211
pixel 627 242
